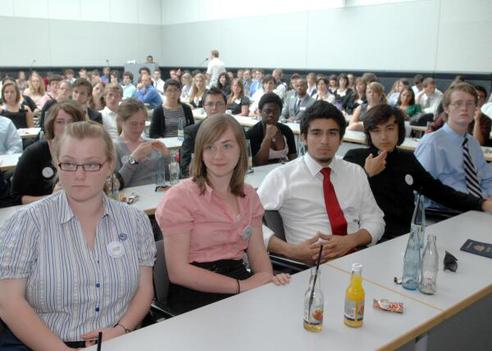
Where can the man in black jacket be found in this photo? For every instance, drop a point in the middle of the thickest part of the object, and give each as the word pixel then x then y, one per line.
pixel 214 103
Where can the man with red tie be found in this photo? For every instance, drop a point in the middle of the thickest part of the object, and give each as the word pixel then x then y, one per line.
pixel 322 200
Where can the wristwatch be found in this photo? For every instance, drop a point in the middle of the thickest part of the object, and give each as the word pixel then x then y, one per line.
pixel 132 161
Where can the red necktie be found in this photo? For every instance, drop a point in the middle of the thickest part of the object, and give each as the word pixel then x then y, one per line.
pixel 335 214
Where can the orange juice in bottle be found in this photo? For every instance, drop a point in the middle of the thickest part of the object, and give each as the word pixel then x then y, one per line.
pixel 354 299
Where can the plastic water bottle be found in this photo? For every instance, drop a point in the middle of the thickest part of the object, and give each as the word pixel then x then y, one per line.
pixel 173 171
pixel 430 267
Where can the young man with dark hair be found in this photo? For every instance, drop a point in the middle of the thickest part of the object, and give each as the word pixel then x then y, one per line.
pixel 214 103
pixel 81 93
pixel 322 200
pixel 129 89
pixel 394 175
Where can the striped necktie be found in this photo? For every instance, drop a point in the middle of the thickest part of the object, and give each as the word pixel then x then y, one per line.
pixel 471 177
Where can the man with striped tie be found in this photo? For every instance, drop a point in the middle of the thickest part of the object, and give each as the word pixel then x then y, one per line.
pixel 451 154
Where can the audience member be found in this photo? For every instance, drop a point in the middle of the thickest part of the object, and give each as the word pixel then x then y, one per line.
pixel 81 93
pixel 430 97
pixel 343 91
pixel 406 103
pixel 36 89
pixel 268 84
pixel 36 173
pixel 129 90
pixel 96 101
pixel 417 84
pixel 322 92
pixel 311 83
pixel 280 85
pixel 322 200
pixel 10 141
pixel 158 82
pixel 165 118
pixel 271 141
pixel 137 158
pixel 296 106
pixel 357 98
pixel 257 82
pixel 394 175
pixel 375 96
pixel 451 154
pixel 147 93
pixel 198 91
pixel 21 81
pixel 224 83
pixel 247 81
pixel 237 102
pixel 64 92
pixel 20 115
pixel 112 96
pixel 52 246
pixel 210 221
pixel 214 103
pixel 186 85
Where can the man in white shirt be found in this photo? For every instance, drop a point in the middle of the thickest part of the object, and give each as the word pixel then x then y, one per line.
pixel 10 141
pixel 113 94
pixel 299 191
pixel 158 82
pixel 430 97
pixel 215 68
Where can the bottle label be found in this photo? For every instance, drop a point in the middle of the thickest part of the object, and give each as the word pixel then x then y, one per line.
pixel 316 316
pixel 354 311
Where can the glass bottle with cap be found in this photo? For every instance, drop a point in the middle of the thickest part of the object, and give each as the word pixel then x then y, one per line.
pixel 314 303
pixel 418 220
pixel 430 267
pixel 355 299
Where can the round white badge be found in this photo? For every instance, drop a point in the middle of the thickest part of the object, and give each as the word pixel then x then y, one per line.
pixel 48 172
pixel 115 249
pixel 409 179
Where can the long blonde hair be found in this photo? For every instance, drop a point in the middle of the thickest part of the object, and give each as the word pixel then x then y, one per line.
pixel 210 131
pixel 42 90
pixel 194 89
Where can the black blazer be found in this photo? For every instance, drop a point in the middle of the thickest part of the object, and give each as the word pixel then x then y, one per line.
pixel 188 147
pixel 158 123
pixel 94 115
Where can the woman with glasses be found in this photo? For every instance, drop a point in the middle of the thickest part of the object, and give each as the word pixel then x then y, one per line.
pixel 36 173
pixel 75 263
pixel 166 117
pixel 211 220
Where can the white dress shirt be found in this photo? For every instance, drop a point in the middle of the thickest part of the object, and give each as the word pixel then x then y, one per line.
pixel 429 103
pixel 109 122
pixel 214 69
pixel 296 191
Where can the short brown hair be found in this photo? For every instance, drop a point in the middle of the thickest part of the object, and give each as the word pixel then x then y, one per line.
pixel 70 107
pixel 82 82
pixel 210 130
pixel 11 84
pixel 88 129
pixel 464 87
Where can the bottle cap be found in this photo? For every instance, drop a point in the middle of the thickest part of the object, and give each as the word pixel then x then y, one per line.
pixel 356 267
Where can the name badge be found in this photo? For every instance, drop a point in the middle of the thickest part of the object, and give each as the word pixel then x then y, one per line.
pixel 115 249
pixel 237 101
pixel 48 172
pixel 302 108
pixel 247 232
pixel 409 180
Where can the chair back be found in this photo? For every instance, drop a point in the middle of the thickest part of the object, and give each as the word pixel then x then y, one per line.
pixel 161 279
pixel 273 220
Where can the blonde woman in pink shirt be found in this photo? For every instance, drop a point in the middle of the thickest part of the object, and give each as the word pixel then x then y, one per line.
pixel 210 220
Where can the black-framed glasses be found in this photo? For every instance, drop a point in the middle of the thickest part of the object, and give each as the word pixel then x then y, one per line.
pixel 87 167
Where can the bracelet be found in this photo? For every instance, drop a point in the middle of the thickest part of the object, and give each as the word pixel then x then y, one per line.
pixel 238 287
pixel 124 328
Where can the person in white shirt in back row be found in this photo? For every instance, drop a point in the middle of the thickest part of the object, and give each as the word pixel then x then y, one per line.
pixel 322 200
pixel 113 94
pixel 10 141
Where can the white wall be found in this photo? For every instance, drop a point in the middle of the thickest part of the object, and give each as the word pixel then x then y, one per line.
pixel 419 35
pixel 79 32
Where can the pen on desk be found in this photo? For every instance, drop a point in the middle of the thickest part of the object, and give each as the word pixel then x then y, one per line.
pixel 99 340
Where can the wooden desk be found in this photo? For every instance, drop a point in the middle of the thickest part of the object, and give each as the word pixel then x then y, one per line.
pixel 270 318
pixel 9 162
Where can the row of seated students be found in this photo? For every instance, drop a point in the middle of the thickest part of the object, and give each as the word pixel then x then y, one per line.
pixel 212 218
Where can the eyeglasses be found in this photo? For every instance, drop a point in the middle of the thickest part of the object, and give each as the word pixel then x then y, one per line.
pixel 87 167
pixel 467 104
pixel 215 104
